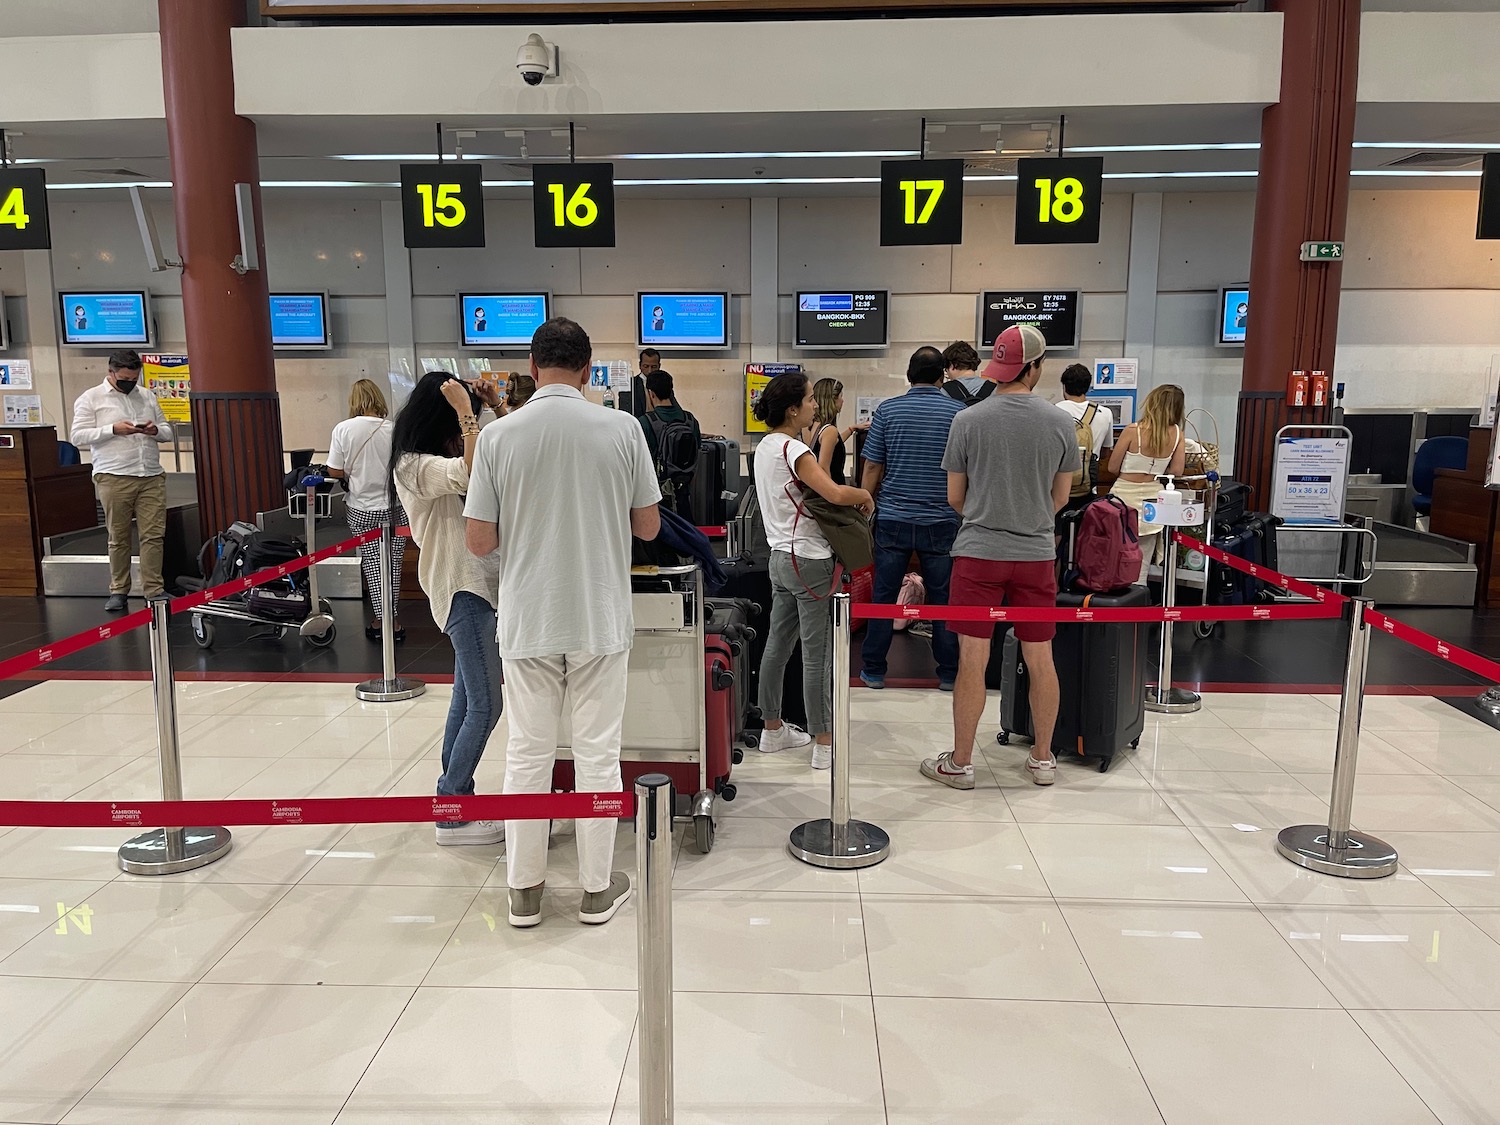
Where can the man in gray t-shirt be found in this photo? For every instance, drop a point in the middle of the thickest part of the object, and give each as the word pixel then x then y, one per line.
pixel 1010 464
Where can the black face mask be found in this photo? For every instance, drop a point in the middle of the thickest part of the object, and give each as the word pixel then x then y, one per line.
pixel 125 386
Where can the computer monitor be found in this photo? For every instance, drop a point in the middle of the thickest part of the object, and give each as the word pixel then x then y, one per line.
pixel 842 319
pixel 501 320
pixel 1234 309
pixel 682 320
pixel 105 319
pixel 1055 312
pixel 300 321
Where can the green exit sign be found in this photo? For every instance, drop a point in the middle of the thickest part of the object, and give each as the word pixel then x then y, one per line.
pixel 1322 251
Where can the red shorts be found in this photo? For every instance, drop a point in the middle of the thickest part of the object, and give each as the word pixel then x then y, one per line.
pixel 1018 584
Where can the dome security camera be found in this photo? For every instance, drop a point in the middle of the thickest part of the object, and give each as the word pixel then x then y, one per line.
pixel 537 59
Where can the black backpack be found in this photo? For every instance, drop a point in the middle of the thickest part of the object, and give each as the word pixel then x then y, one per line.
pixel 676 446
pixel 954 389
pixel 242 550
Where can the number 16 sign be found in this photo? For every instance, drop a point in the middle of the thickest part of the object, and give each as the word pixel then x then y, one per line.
pixel 574 204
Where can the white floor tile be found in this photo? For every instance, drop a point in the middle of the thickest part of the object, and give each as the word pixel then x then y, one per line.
pixel 1470 749
pixel 203 779
pixel 29 907
pixel 1251 859
pixel 1001 949
pixel 1396 957
pixel 60 1037
pixel 75 697
pixel 1312 751
pixel 963 858
pixel 206 697
pixel 1385 803
pixel 1250 1066
pixel 1191 953
pixel 1248 711
pixel 242 735
pixel 1085 796
pixel 1463 867
pixel 232 1054
pixel 281 853
pixel 1127 862
pixel 769 1059
pixel 1447 1057
pixel 404 855
pixel 62 853
pixel 976 1062
pixel 144 929
pixel 486 1056
pixel 110 732
pixel 749 854
pixel 1201 748
pixel 55 777
pixel 560 952
pixel 347 935
pixel 27 731
pixel 1267 801
pixel 307 700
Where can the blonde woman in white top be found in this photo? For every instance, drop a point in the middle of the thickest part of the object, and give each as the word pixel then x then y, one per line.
pixel 432 451
pixel 360 453
pixel 1147 449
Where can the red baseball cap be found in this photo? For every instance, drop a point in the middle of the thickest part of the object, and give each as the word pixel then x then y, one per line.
pixel 1017 346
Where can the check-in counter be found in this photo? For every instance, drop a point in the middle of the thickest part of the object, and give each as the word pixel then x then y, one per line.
pixel 1462 508
pixel 38 497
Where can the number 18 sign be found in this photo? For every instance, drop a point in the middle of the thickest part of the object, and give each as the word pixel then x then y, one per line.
pixel 442 205
pixel 1058 199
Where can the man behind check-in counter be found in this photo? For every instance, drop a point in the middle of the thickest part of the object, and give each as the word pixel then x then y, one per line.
pixel 123 428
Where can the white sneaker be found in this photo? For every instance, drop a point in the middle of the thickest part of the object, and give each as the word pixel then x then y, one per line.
pixel 1042 772
pixel 822 756
pixel 787 737
pixel 475 832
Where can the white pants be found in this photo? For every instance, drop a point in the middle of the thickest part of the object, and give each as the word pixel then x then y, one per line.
pixel 534 691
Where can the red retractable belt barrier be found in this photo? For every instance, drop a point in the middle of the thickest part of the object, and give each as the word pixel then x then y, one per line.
pixel 1274 577
pixel 1461 657
pixel 719 531
pixel 1140 615
pixel 317 810
pixel 16 665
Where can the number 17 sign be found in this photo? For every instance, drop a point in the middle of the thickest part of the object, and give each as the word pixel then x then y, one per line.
pixel 921 202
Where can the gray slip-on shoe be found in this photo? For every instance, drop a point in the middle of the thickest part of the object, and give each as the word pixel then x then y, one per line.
pixel 600 906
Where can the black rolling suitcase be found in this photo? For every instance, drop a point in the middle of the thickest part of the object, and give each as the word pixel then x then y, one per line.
pixel 716 485
pixel 729 633
pixel 1253 539
pixel 1101 673
pixel 750 580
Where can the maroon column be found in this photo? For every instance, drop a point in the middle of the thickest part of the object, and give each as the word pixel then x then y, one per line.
pixel 1306 143
pixel 236 410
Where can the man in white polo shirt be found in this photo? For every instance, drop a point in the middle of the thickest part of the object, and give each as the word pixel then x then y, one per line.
pixel 558 489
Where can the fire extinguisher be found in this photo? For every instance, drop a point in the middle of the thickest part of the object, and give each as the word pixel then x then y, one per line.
pixel 1296 389
pixel 1320 388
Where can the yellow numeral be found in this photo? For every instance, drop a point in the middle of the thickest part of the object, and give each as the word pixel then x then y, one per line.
pixel 909 189
pixel 578 211
pixel 446 209
pixel 13 210
pixel 1063 204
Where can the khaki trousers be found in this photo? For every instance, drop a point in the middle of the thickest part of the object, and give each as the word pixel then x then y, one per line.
pixel 144 500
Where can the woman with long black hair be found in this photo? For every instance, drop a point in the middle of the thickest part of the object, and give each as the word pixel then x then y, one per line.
pixel 432 451
pixel 802 565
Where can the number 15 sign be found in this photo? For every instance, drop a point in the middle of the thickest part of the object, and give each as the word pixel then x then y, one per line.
pixel 921 202
pixel 442 205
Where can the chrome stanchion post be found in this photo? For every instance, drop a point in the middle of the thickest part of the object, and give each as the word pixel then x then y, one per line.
pixel 1333 848
pixel 1163 698
pixel 653 929
pixel 319 620
pixel 839 841
pixel 166 851
pixel 390 688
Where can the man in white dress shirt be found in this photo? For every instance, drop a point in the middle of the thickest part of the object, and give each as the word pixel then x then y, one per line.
pixel 123 428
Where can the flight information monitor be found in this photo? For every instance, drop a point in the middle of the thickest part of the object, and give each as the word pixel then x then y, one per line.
pixel 682 320
pixel 502 320
pixel 1055 313
pixel 105 319
pixel 843 320
pixel 300 320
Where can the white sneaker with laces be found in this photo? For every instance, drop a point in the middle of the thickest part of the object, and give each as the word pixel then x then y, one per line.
pixel 822 756
pixel 944 770
pixel 1043 772
pixel 476 832
pixel 786 737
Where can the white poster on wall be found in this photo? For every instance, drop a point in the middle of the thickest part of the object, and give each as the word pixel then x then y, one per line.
pixel 865 407
pixel 23 410
pixel 16 374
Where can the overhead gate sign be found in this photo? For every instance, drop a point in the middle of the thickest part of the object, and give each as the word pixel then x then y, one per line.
pixel 302 9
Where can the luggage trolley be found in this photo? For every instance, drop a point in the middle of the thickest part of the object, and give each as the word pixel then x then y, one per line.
pixel 318 627
pixel 665 728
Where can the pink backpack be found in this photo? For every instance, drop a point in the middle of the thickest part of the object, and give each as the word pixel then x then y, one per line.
pixel 1107 550
pixel 913 592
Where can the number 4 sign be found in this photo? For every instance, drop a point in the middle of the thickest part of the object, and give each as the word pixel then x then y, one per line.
pixel 23 209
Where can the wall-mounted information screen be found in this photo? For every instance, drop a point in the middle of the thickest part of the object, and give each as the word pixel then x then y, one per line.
pixel 502 320
pixel 1234 311
pixel 300 320
pixel 843 320
pixel 682 320
pixel 105 319
pixel 1054 312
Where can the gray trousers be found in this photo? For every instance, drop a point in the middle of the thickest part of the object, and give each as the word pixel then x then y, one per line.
pixel 797 613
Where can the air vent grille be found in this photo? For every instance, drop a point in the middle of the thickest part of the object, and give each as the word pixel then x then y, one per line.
pixel 1452 160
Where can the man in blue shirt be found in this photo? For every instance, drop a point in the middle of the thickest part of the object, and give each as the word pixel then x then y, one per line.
pixel 903 454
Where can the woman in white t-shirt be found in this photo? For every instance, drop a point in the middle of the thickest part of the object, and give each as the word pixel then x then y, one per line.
pixel 802 565
pixel 432 453
pixel 360 453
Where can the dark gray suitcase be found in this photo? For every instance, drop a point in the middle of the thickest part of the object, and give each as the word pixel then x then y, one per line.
pixel 716 485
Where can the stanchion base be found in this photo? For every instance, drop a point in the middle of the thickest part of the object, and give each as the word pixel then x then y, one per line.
pixel 389 691
pixel 146 854
pixel 863 844
pixel 1179 701
pixel 1364 857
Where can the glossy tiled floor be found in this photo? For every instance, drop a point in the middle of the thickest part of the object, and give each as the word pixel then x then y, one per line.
pixel 1123 948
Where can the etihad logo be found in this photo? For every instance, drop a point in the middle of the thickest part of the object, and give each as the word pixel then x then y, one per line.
pixel 1011 304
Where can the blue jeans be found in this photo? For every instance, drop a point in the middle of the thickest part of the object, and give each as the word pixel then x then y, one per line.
pixel 895 543
pixel 477 700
